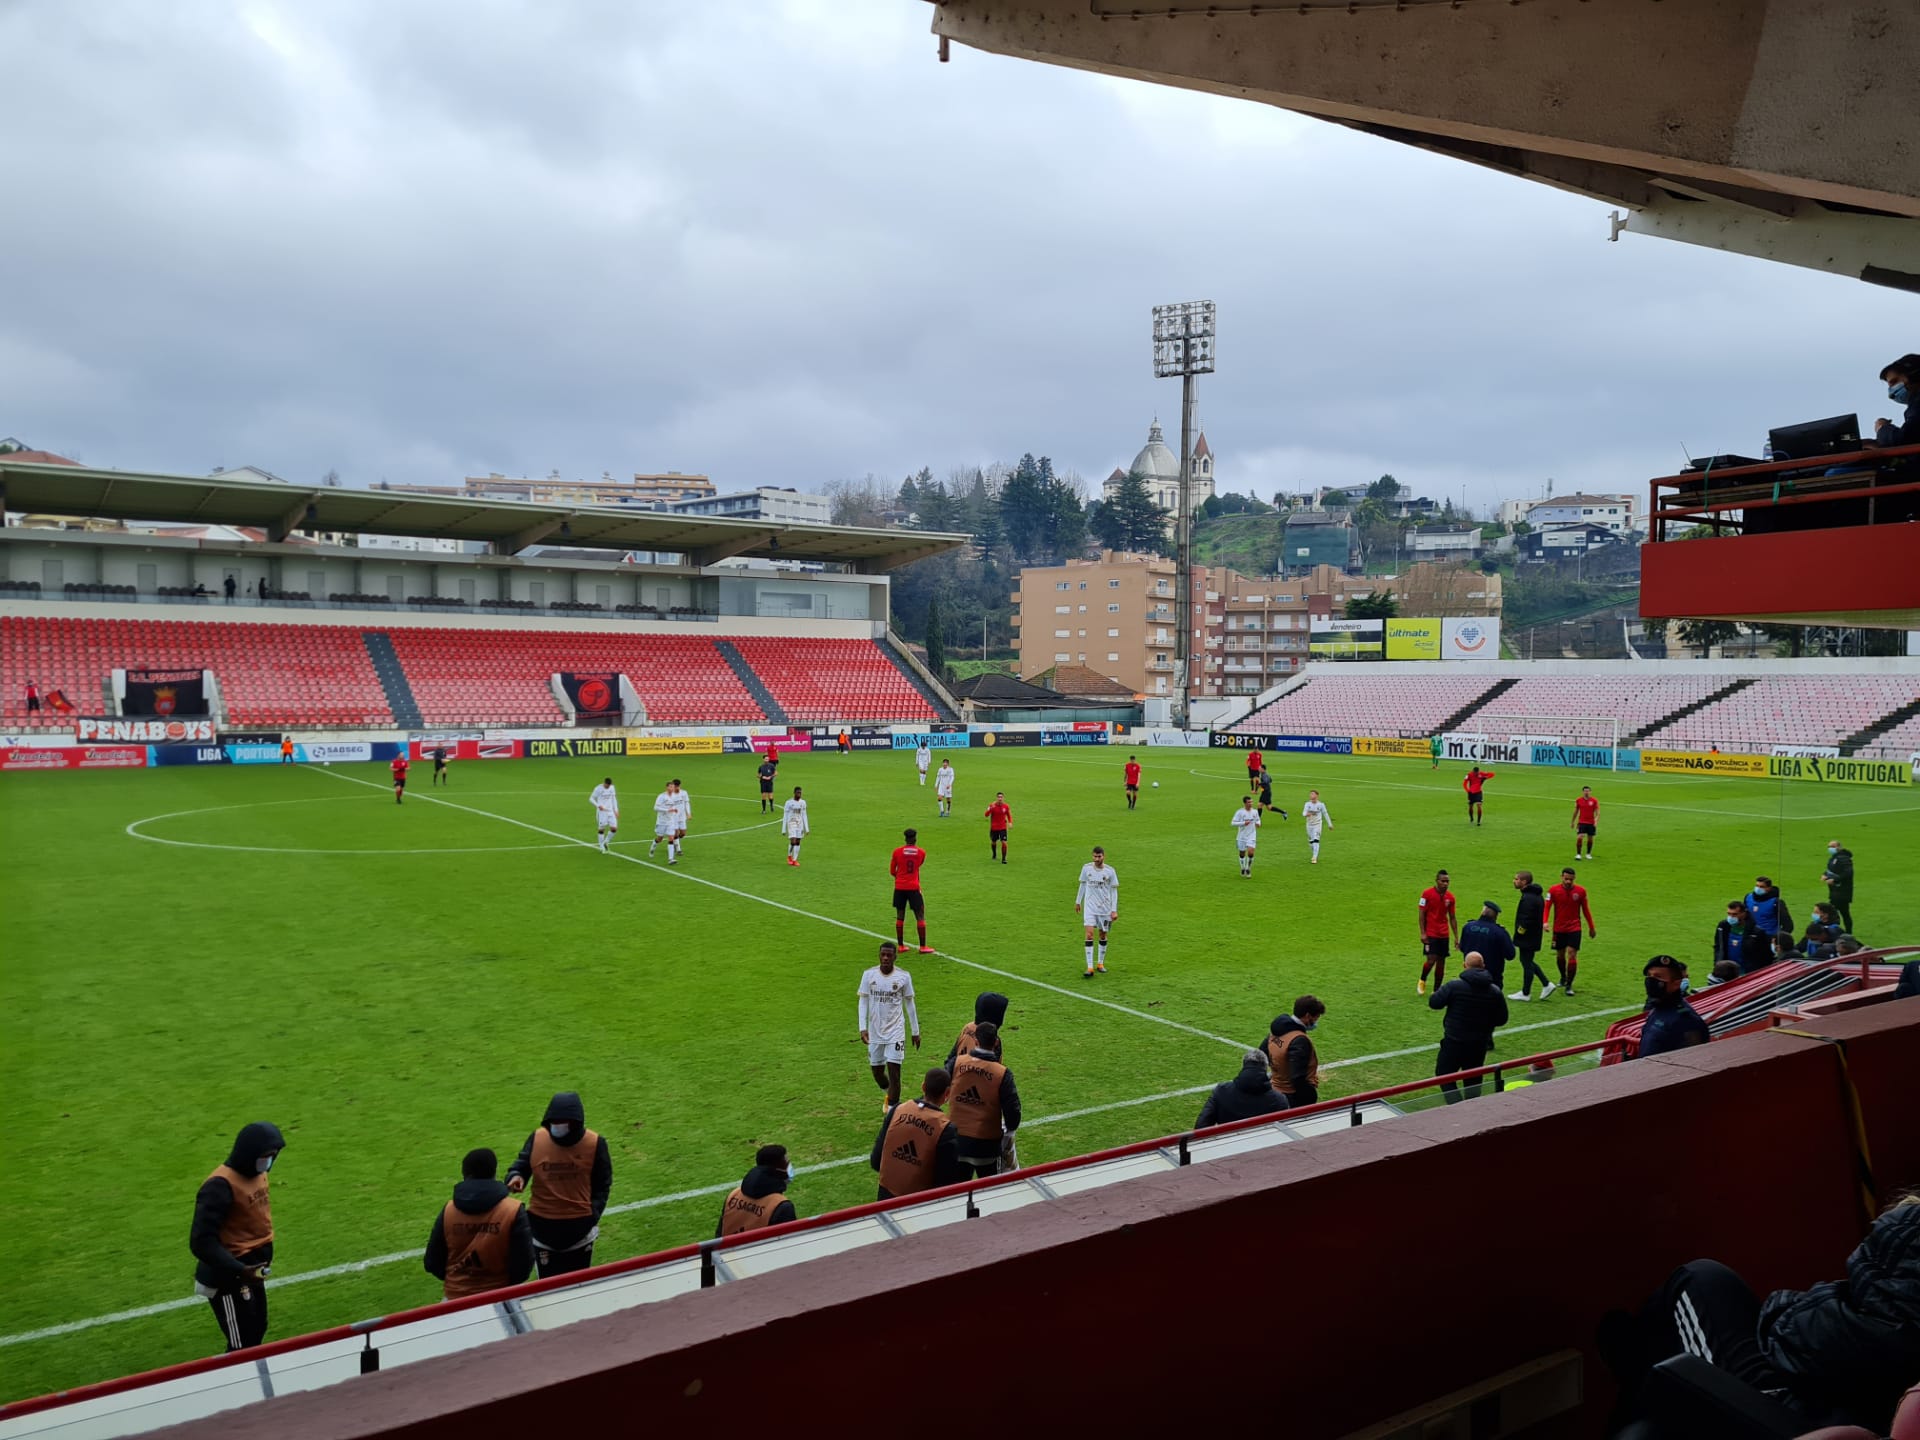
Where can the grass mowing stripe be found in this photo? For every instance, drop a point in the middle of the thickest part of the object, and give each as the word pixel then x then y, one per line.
pixel 805 914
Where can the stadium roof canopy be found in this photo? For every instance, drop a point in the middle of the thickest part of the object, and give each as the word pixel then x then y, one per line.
pixel 507 526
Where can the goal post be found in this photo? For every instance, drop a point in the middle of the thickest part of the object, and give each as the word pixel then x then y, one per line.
pixel 1596 732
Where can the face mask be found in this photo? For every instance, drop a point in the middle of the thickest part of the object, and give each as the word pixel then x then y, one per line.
pixel 266 1163
pixel 1686 986
pixel 1897 394
pixel 789 1172
pixel 1312 1025
pixel 1833 849
pixel 560 1130
pixel 1656 988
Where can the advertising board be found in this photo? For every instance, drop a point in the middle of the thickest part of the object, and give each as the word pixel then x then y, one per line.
pixel 1413 639
pixel 1469 638
pixel 1694 762
pixel 1076 736
pixel 1833 770
pixel 1507 750
pixel 144 732
pixel 1346 639
pixel 655 745
pixel 1391 746
pixel 932 739
pixel 76 757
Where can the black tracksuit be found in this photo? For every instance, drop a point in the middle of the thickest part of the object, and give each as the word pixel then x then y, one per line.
pixel 983 1156
pixel 763 1180
pixel 1246 1095
pixel 1475 1009
pixel 239 1302
pixel 988 1005
pixel 1529 919
pixel 477 1197
pixel 563 1246
pixel 1839 878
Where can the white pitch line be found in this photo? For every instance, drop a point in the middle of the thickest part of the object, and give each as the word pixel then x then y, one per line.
pixel 351 1267
pixel 678 874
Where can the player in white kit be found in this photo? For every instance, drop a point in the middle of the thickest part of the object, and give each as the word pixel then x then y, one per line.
pixel 1246 822
pixel 1315 814
pixel 793 824
pixel 943 786
pixel 1098 904
pixel 922 758
pixel 886 1017
pixel 682 816
pixel 606 811
pixel 666 822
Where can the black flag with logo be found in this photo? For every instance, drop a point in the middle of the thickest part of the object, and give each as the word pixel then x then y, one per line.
pixel 166 693
pixel 595 696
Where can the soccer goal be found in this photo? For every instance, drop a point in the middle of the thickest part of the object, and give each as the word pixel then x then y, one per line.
pixel 1591 732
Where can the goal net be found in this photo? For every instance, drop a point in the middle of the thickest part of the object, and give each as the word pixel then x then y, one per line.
pixel 1586 732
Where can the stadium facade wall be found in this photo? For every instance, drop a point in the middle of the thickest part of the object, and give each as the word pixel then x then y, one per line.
pixel 1142 1262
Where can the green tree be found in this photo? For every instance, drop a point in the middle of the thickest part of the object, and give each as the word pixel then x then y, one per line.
pixel 1332 498
pixel 910 492
pixel 1023 507
pixel 1210 509
pixel 936 642
pixel 1385 488
pixel 1130 520
pixel 1374 605
pixel 1705 634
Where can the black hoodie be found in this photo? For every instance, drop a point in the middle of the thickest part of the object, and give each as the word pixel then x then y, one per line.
pixel 1474 1005
pixel 1528 916
pixel 217 1268
pixel 1248 1094
pixel 1299 1060
pixel 565 1234
pixel 988 1005
pixel 764 1180
pixel 477 1197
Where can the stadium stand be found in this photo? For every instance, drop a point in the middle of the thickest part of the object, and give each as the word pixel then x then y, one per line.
pixel 820 680
pixel 1788 710
pixel 1639 702
pixel 1368 705
pixel 1899 741
pixel 269 675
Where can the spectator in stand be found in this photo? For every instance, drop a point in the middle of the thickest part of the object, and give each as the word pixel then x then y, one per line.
pixel 760 1199
pixel 231 586
pixel 1847 945
pixel 1529 931
pixel 1908 985
pixel 481 1239
pixel 1839 1353
pixel 1839 881
pixel 1475 1008
pixel 1817 943
pixel 1486 935
pixel 1902 378
pixel 1670 1023
pixel 33 698
pixel 1723 972
pixel 1739 941
pixel 918 1147
pixel 1248 1094
pixel 1769 911
pixel 1291 1059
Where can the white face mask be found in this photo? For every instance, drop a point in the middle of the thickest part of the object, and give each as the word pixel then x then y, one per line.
pixel 266 1163
pixel 559 1129
pixel 789 1172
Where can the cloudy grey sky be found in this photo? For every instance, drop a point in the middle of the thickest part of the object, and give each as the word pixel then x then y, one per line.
pixel 775 241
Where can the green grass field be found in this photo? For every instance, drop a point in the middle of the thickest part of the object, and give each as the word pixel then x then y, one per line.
pixel 191 949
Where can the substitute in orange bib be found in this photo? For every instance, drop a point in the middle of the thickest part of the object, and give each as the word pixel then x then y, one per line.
pixel 760 1199
pixel 987 1005
pixel 482 1240
pixel 232 1236
pixel 918 1147
pixel 572 1175
pixel 984 1104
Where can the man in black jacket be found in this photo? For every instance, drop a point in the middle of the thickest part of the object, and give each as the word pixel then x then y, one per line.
pixel 760 1199
pixel 232 1236
pixel 1841 1352
pixel 1529 922
pixel 1490 938
pixel 1839 881
pixel 481 1239
pixel 1475 1009
pixel 1248 1094
pixel 1292 1062
pixel 989 1007
pixel 985 1105
pixel 1738 939
pixel 918 1147
pixel 572 1175
pixel 1902 379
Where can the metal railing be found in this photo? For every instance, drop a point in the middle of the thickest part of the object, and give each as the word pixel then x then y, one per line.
pixel 1706 497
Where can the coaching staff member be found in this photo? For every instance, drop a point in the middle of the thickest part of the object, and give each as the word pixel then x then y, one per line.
pixel 1475 1009
pixel 572 1175
pixel 918 1147
pixel 232 1236
pixel 482 1240
pixel 984 1103
pixel 1290 1054
pixel 760 1199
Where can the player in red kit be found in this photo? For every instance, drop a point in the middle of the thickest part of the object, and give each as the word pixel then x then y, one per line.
pixel 399 768
pixel 1254 764
pixel 1586 812
pixel 1133 781
pixel 1475 778
pixel 1566 907
pixel 1437 925
pixel 905 869
pixel 999 821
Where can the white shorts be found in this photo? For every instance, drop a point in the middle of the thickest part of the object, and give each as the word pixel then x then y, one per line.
pixel 607 819
pixel 1314 834
pixel 1248 842
pixel 1097 919
pixel 663 829
pixel 887 1052
pixel 796 834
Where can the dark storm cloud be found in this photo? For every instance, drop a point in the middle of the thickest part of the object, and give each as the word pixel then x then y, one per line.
pixel 781 244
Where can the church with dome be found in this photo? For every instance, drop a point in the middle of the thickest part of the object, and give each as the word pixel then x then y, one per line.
pixel 1161 468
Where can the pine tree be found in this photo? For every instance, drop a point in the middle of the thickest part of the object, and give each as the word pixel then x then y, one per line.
pixel 936 642
pixel 1130 520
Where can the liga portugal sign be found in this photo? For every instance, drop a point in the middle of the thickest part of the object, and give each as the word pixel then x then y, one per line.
pixel 595 696
pixel 166 693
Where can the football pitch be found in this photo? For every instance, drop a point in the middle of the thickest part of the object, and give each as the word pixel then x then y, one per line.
pixel 191 949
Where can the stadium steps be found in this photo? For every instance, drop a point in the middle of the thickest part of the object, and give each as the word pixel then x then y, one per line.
pixel 1891 720
pixel 1722 693
pixel 1466 712
pixel 393 679
pixel 756 687
pixel 894 650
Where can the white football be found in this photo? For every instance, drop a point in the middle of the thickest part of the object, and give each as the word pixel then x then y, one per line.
pixel 1156 784
pixel 326 764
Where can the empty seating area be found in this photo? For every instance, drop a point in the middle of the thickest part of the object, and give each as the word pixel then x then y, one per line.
pixel 1636 701
pixel 1898 743
pixel 269 675
pixel 1789 710
pixel 499 677
pixel 815 681
pixel 1367 705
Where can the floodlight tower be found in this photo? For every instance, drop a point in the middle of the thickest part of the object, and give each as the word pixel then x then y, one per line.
pixel 1183 346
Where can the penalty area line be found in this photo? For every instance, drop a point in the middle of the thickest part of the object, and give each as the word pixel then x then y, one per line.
pixel 678 874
